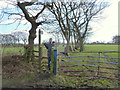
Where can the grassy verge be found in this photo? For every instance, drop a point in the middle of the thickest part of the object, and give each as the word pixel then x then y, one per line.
pixel 19 82
pixel 33 77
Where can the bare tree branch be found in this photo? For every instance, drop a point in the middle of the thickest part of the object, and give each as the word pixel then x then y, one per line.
pixel 40 11
pixel 22 7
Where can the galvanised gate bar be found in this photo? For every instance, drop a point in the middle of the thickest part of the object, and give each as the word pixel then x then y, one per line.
pixel 99 65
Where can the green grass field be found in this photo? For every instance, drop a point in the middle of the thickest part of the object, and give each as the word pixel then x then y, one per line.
pixel 101 82
pixel 61 79
pixel 19 50
pixel 101 47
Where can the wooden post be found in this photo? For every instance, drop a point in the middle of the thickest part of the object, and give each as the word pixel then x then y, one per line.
pixel 59 62
pixel 52 60
pixel 26 53
pixel 40 49
pixel 55 63
pixel 99 63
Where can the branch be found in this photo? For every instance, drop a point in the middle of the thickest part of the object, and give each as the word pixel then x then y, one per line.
pixel 86 29
pixel 27 3
pixel 9 23
pixel 18 23
pixel 22 7
pixel 40 23
pixel 13 14
pixel 40 12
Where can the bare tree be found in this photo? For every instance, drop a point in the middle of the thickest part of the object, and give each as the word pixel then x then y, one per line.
pixel 21 36
pixel 25 10
pixel 7 40
pixel 116 39
pixel 57 10
pixel 74 18
pixel 89 9
pixel 63 39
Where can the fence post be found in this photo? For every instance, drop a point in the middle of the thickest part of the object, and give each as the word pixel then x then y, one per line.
pixel 40 56
pixel 59 61
pixel 52 60
pixel 99 63
pixel 40 49
pixel 55 63
pixel 26 53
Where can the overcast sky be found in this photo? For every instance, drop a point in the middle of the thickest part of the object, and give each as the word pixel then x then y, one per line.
pixel 103 29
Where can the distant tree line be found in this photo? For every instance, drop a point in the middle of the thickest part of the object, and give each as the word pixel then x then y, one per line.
pixel 14 39
pixel 116 39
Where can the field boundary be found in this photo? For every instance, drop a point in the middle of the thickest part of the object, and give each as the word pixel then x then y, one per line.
pixel 101 55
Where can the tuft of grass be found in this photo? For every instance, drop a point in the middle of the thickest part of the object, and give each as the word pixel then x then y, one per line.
pixel 21 81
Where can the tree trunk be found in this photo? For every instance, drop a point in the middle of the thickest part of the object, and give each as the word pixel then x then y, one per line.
pixel 32 36
pixel 81 45
pixel 67 46
pixel 66 50
pixel 77 44
pixel 63 40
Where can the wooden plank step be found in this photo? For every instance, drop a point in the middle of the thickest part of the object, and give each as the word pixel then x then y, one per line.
pixel 36 56
pixel 44 57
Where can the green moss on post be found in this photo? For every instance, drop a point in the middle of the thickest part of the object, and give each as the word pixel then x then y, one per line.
pixel 40 56
pixel 26 53
pixel 52 60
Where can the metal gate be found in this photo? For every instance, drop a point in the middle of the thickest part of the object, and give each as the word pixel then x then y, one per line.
pixel 90 64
